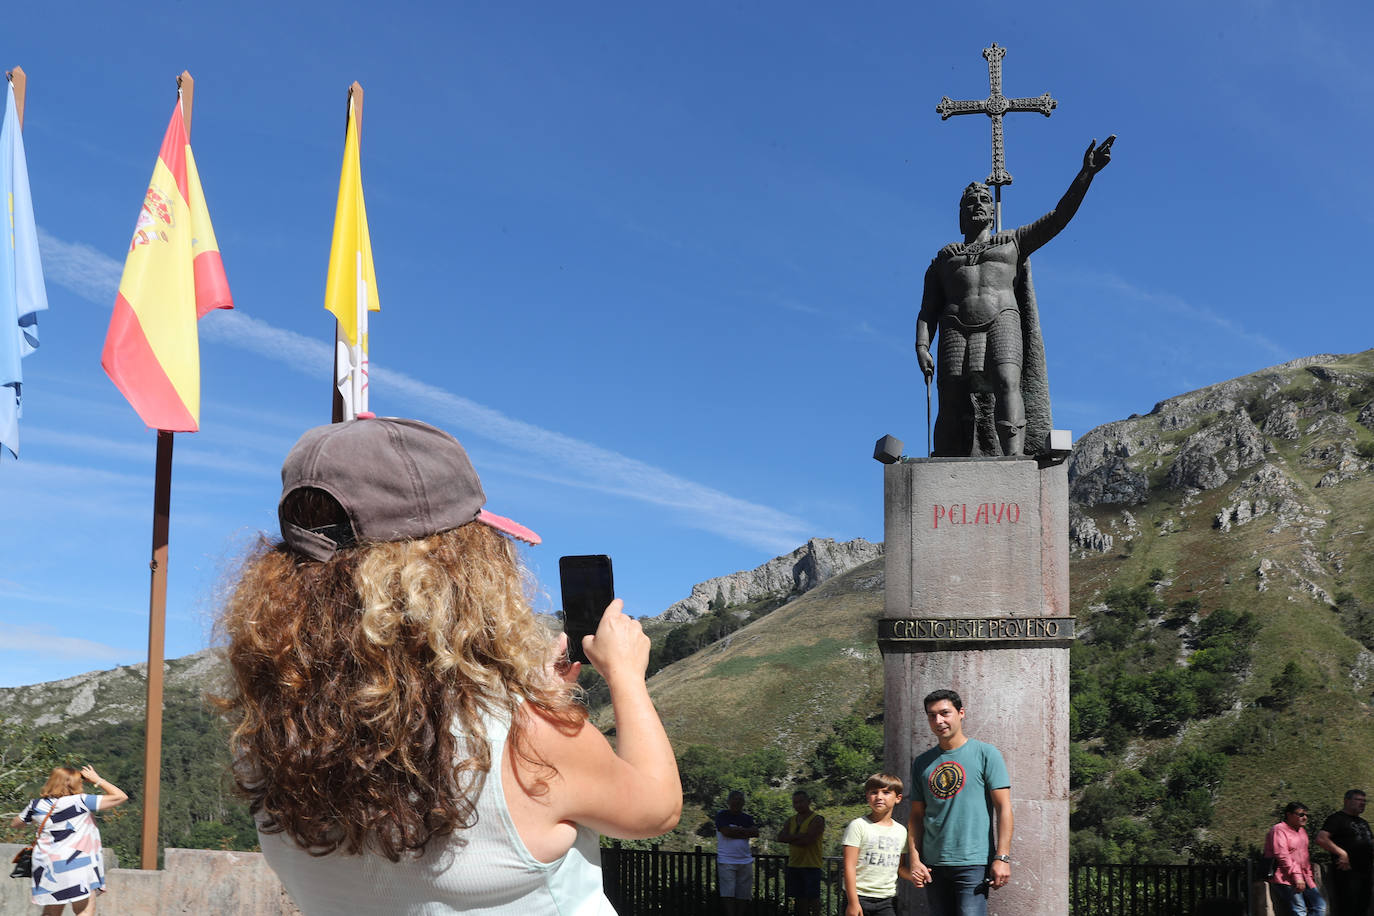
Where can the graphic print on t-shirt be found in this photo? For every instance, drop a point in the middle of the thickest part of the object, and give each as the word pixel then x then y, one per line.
pixel 946 780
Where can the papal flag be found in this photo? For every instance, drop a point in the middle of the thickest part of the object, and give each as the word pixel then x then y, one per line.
pixel 172 276
pixel 350 290
pixel 22 295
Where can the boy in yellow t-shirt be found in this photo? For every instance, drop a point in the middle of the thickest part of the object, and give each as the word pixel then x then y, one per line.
pixel 873 848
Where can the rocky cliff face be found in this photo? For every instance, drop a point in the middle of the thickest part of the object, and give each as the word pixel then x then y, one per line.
pixel 104 697
pixel 1263 451
pixel 1230 432
pixel 796 573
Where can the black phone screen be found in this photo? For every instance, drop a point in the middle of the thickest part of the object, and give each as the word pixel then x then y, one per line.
pixel 587 588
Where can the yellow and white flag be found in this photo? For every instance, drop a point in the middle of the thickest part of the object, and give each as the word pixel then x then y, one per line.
pixel 350 291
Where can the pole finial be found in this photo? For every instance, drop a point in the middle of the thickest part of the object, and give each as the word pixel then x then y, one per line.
pixel 186 91
pixel 19 80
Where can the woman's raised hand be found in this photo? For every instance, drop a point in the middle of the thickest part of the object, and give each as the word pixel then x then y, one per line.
pixel 619 648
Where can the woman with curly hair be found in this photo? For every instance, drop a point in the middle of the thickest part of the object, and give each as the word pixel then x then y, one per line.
pixel 68 860
pixel 405 729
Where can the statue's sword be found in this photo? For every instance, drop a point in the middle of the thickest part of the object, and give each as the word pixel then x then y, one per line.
pixel 930 452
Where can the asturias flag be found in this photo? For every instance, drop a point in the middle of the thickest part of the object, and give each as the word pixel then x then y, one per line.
pixel 22 295
pixel 350 290
pixel 172 277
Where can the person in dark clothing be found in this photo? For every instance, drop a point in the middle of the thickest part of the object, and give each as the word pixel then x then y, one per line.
pixel 1347 837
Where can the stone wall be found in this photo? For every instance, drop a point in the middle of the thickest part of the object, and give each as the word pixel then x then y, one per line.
pixel 201 881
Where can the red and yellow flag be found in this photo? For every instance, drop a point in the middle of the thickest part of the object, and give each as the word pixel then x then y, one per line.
pixel 173 276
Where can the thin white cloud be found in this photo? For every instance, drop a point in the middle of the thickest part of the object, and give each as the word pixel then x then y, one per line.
pixel 110 447
pixel 52 645
pixel 85 271
pixel 53 479
pixel 1179 306
pixel 796 305
pixel 94 276
pixel 296 351
pixel 611 472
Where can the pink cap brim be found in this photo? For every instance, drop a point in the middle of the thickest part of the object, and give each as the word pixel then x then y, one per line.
pixel 514 529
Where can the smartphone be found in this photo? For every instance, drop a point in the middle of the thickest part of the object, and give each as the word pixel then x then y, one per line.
pixel 587 588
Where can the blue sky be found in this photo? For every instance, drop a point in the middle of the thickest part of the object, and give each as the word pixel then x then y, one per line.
pixel 656 265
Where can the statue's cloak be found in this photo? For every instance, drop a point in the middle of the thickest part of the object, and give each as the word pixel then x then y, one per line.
pixel 1035 379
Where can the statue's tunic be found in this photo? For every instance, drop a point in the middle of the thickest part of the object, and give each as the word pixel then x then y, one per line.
pixel 976 336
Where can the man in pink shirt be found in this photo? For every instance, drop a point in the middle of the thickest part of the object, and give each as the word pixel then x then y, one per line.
pixel 1292 886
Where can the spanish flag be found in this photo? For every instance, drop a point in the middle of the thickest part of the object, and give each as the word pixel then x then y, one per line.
pixel 350 289
pixel 172 276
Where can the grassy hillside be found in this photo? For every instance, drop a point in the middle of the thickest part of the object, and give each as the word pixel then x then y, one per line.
pixel 790 675
pixel 1300 723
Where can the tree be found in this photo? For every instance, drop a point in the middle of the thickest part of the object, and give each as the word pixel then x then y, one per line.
pixel 26 759
pixel 847 757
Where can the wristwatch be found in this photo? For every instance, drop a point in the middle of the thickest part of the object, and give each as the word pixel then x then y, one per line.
pixel 1006 859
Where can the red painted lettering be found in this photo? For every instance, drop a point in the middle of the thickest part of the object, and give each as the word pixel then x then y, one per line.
pixel 939 513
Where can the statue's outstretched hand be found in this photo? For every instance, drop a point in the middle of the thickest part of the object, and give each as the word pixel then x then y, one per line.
pixel 1096 157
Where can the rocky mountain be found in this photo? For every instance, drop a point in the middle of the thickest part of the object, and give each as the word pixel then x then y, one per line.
pixel 107 697
pixel 782 680
pixel 792 575
pixel 1219 573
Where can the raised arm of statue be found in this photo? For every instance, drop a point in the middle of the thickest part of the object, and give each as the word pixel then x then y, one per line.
pixel 932 304
pixel 1034 235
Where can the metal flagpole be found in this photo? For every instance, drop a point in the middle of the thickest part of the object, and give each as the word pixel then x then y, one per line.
pixel 157 630
pixel 157 595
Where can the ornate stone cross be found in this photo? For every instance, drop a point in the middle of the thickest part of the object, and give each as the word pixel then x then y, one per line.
pixel 994 106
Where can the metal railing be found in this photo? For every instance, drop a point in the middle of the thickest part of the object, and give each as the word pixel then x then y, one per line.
pixel 655 882
pixel 1158 890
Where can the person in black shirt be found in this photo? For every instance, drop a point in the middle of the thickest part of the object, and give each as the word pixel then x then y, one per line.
pixel 1347 837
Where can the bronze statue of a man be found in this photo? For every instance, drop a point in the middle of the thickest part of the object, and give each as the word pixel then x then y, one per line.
pixel 994 394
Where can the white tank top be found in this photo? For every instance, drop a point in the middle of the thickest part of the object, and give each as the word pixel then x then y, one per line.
pixel 483 870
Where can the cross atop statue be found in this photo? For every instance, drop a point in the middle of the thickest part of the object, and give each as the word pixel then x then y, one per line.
pixel 994 106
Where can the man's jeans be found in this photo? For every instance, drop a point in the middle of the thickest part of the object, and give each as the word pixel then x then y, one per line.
pixel 959 890
pixel 1308 902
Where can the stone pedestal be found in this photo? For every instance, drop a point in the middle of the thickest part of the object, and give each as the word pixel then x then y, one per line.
pixel 977 600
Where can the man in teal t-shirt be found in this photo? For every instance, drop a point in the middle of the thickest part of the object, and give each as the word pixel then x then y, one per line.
pixel 956 847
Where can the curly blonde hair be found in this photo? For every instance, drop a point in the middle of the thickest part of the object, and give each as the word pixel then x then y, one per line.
pixel 351 677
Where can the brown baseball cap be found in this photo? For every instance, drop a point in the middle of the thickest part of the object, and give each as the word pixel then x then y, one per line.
pixel 394 479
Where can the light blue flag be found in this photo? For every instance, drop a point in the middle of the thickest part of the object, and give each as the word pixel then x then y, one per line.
pixel 22 295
